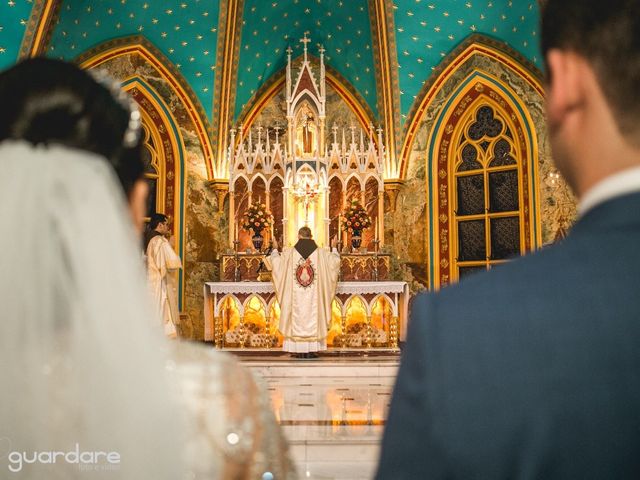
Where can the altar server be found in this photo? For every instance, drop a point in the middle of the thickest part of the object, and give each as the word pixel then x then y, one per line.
pixel 162 264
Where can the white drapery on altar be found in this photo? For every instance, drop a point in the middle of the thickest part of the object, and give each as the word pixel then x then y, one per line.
pixel 215 294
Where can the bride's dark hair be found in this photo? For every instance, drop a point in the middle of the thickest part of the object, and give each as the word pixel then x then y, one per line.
pixel 46 101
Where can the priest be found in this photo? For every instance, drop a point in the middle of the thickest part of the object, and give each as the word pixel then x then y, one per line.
pixel 305 279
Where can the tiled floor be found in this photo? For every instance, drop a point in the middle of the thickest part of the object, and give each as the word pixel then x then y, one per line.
pixel 332 410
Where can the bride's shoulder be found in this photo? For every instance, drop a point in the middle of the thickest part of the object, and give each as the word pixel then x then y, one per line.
pixel 220 393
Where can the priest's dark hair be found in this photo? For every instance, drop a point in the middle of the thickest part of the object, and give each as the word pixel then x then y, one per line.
pixel 607 34
pixel 156 219
pixel 150 232
pixel 46 101
pixel 304 232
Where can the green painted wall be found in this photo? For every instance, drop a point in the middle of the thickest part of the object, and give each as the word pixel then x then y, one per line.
pixel 14 16
pixel 341 26
pixel 186 32
pixel 427 30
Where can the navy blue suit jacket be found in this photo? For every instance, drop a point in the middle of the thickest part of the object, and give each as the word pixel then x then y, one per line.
pixel 531 370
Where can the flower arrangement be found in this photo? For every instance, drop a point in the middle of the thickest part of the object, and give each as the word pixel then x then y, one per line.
pixel 355 218
pixel 257 218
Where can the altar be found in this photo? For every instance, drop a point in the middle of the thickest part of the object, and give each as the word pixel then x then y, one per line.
pixel 327 178
pixel 365 315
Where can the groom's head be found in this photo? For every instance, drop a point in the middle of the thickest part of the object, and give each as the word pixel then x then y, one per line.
pixel 304 232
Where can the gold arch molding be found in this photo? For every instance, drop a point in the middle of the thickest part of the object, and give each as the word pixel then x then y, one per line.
pixel 477 45
pixel 106 52
pixel 479 88
pixel 169 142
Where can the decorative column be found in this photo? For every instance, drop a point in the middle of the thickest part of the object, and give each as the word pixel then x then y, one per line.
pixel 327 217
pixel 343 329
pixel 393 332
pixel 232 215
pixel 217 329
pixel 243 339
pixel 229 30
pixel 392 188
pixel 285 212
pixel 369 329
pixel 380 218
pixel 267 326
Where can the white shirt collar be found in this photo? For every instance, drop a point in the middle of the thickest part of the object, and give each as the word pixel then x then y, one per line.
pixel 621 183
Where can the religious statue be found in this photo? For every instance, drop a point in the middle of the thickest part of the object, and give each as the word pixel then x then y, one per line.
pixel 306 131
pixel 307 134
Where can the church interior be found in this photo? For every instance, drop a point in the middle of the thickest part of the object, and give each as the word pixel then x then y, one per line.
pixel 420 120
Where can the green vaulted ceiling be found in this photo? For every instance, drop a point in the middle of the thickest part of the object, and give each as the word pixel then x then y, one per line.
pixel 427 30
pixel 186 32
pixel 14 16
pixel 341 26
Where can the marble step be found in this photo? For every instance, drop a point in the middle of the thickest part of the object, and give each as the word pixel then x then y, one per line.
pixel 372 367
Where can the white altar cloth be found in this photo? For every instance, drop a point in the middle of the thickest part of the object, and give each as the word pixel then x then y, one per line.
pixel 215 293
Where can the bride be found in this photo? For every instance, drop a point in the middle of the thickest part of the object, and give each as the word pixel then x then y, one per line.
pixel 90 387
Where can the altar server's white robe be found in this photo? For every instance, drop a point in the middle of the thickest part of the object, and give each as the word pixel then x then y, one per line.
pixel 305 290
pixel 162 264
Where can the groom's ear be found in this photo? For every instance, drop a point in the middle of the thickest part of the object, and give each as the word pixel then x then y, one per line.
pixel 138 204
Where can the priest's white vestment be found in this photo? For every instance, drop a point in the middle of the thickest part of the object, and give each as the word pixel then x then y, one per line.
pixel 305 288
pixel 162 263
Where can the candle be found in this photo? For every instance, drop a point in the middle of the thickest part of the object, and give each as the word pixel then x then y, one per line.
pixel 339 229
pixel 235 231
pixel 376 229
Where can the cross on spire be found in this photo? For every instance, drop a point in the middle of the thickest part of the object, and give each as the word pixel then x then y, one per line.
pixel 305 40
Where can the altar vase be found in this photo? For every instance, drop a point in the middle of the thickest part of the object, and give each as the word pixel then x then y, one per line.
pixel 305 279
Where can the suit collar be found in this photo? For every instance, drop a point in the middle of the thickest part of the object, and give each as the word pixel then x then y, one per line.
pixel 620 211
pixel 622 183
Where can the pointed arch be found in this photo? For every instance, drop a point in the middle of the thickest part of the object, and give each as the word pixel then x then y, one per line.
pixel 140 47
pixel 163 126
pixel 469 51
pixel 230 296
pixel 247 302
pixel 340 306
pixel 341 85
pixel 394 307
pixel 272 178
pixel 479 88
pixel 257 176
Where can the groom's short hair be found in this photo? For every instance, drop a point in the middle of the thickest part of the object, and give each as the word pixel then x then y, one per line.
pixel 304 232
pixel 607 34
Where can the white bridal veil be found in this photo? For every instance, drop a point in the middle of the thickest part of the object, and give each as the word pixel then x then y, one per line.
pixel 81 367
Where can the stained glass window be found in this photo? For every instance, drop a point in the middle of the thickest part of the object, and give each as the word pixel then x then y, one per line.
pixel 487 193
pixel 151 161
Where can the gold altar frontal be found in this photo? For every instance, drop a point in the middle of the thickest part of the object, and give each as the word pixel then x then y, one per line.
pixel 365 315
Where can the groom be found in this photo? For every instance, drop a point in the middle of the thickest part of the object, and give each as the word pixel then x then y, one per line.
pixel 532 370
pixel 305 279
